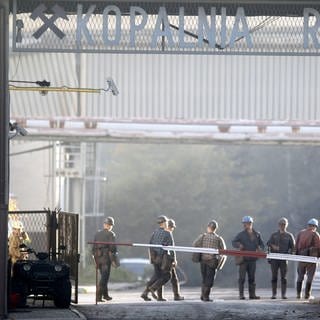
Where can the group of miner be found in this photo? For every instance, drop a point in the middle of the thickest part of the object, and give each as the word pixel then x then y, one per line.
pixel 306 243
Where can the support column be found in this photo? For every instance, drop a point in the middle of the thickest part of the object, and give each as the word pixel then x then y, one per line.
pixel 4 153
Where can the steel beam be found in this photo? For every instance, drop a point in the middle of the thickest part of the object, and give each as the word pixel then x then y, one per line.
pixel 4 151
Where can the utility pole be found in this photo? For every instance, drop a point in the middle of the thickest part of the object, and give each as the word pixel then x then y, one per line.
pixel 4 154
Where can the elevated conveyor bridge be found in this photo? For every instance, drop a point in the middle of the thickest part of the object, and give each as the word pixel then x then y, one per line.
pixel 85 129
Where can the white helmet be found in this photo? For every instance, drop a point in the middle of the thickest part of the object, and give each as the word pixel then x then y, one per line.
pixel 283 220
pixel 313 222
pixel 17 224
pixel 247 219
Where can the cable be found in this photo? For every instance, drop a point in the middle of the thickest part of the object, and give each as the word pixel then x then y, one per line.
pixel 218 46
pixel 256 28
pixel 17 65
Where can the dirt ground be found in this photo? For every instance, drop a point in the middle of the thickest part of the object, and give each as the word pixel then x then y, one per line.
pixel 127 304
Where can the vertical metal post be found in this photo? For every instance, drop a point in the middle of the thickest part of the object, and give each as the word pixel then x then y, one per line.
pixel 78 74
pixel 83 152
pixel 52 174
pixel 4 154
pixel 97 277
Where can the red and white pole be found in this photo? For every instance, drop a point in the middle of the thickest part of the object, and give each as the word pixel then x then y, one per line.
pixel 227 252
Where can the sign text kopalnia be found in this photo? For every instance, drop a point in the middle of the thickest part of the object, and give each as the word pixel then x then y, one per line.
pixel 209 27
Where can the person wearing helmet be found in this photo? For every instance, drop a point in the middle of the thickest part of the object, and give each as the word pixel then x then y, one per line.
pixel 102 254
pixel 209 262
pixel 17 237
pixel 248 240
pixel 161 275
pixel 172 267
pixel 281 241
pixel 307 242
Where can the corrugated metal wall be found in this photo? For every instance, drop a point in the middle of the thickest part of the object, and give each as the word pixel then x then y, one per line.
pixel 59 69
pixel 207 87
pixel 173 87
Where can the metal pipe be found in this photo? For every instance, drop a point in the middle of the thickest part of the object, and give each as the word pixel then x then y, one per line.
pixel 55 89
pixel 4 154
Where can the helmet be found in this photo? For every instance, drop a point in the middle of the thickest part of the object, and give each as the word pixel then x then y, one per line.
pixel 171 223
pixel 313 222
pixel 247 219
pixel 17 225
pixel 283 220
pixel 109 220
pixel 162 219
pixel 213 224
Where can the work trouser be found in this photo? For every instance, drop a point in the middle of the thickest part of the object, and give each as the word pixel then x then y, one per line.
pixel 175 281
pixel 154 277
pixel 247 267
pixel 277 265
pixel 208 274
pixel 306 268
pixel 159 278
pixel 309 269
pixel 104 269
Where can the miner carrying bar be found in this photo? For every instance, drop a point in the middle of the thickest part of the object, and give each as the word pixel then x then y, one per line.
pixel 157 255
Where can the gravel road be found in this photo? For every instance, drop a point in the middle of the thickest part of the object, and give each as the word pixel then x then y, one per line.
pixel 127 304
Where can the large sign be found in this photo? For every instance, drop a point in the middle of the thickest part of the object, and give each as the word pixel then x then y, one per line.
pixel 157 28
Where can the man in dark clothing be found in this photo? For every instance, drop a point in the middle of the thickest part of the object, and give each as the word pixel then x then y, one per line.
pixel 307 243
pixel 209 262
pixel 161 275
pixel 280 242
pixel 174 277
pixel 248 240
pixel 102 256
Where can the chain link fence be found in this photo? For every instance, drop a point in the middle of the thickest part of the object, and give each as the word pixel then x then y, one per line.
pixel 54 232
pixel 218 27
pixel 36 226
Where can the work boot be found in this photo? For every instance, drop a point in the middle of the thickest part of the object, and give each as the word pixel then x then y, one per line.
pixel 153 289
pixel 201 296
pixel 274 290
pixel 252 292
pixel 299 288
pixel 307 294
pixel 99 296
pixel 241 291
pixel 176 289
pixel 206 293
pixel 100 299
pixel 160 294
pixel 106 295
pixel 144 295
pixel 284 290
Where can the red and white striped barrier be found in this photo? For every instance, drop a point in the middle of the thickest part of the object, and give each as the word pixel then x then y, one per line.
pixel 227 252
